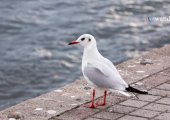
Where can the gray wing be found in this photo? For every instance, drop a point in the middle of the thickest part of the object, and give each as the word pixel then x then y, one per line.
pixel 97 77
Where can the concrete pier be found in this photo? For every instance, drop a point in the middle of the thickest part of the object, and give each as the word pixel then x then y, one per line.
pixel 150 71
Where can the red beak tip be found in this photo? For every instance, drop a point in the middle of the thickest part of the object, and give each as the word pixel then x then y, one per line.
pixel 73 43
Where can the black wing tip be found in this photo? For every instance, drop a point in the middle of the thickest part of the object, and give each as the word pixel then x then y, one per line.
pixel 145 92
pixel 131 89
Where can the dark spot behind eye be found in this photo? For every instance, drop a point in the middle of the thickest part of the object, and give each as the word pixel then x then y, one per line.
pixel 82 39
pixel 89 39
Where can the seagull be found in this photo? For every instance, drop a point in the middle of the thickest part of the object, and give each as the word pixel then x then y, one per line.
pixel 101 72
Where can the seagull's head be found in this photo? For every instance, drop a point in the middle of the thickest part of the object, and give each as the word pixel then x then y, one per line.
pixel 85 40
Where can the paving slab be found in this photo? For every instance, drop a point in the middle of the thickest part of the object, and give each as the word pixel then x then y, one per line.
pixel 157 107
pixel 163 116
pixel 107 115
pixel 121 109
pixel 164 101
pixel 92 119
pixel 76 114
pixel 164 86
pixel 159 92
pixel 166 72
pixel 134 103
pixel 155 80
pixel 148 98
pixel 145 113
pixel 129 117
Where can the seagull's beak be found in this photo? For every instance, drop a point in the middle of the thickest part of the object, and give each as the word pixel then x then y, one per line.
pixel 73 43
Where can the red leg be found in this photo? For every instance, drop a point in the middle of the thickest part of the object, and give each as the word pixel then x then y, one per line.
pixel 92 104
pixel 104 101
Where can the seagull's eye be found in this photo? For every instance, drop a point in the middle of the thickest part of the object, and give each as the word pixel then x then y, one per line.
pixel 82 39
pixel 89 39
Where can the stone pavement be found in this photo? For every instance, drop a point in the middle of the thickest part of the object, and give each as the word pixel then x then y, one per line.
pixel 155 106
pixel 68 102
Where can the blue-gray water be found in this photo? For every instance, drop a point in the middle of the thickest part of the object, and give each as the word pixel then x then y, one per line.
pixel 34 57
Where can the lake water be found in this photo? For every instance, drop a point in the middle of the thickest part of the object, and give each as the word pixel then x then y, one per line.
pixel 34 56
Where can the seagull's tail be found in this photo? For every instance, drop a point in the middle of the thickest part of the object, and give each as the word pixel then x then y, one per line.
pixel 125 93
pixel 122 92
pixel 134 90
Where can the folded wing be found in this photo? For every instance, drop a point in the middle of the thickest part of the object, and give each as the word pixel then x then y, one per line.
pixel 103 76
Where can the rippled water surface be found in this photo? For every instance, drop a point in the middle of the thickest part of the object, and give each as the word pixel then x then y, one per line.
pixel 34 57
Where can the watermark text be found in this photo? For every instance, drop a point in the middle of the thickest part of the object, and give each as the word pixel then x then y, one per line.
pixel 158 19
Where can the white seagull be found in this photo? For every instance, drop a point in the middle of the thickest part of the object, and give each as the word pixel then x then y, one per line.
pixel 99 71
